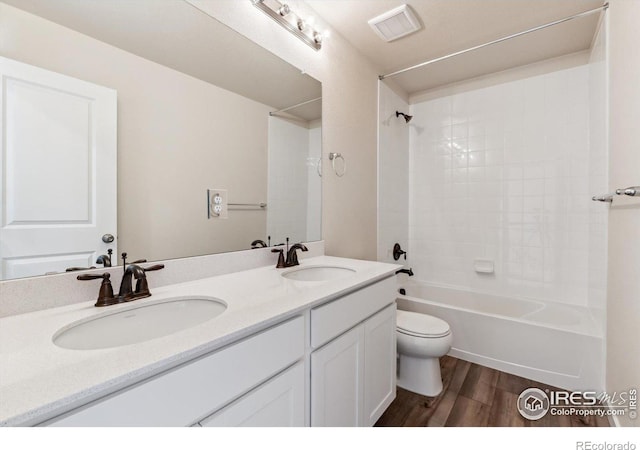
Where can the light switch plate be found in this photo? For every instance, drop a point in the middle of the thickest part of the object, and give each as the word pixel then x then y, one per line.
pixel 217 207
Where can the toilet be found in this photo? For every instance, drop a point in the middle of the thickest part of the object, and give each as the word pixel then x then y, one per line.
pixel 421 341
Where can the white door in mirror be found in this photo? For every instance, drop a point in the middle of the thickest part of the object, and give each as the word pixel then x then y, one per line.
pixel 59 157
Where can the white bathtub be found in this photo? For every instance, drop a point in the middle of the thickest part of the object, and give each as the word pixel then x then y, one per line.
pixel 555 344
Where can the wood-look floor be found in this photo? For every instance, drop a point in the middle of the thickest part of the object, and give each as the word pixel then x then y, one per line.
pixel 474 396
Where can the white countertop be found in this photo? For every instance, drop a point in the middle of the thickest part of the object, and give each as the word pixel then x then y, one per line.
pixel 39 380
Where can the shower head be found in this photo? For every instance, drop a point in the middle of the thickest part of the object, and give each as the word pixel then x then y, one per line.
pixel 407 117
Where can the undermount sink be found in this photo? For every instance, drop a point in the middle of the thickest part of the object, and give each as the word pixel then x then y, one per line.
pixel 318 273
pixel 138 324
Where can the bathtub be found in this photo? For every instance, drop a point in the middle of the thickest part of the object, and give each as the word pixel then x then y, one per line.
pixel 551 343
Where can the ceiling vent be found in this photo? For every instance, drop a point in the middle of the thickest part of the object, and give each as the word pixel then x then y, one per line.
pixel 396 23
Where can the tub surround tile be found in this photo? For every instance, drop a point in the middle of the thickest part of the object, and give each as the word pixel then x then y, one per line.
pixel 521 161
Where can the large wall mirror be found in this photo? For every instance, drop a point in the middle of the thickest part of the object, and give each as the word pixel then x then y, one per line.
pixel 200 110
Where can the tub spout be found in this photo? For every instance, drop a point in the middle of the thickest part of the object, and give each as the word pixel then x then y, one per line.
pixel 407 271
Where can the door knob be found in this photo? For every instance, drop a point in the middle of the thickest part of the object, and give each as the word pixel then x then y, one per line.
pixel 108 238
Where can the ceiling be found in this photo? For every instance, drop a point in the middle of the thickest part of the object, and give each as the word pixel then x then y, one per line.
pixel 453 25
pixel 178 35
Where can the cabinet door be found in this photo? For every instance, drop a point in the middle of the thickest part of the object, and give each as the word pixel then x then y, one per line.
pixel 277 403
pixel 336 381
pixel 379 363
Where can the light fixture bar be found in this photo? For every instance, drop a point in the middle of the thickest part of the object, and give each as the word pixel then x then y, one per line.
pixel 282 14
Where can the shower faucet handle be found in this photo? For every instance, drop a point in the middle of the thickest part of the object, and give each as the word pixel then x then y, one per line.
pixel 398 252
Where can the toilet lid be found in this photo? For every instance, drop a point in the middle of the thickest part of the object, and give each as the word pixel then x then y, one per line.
pixel 417 324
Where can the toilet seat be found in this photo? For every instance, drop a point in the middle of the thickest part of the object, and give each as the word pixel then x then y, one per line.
pixel 421 325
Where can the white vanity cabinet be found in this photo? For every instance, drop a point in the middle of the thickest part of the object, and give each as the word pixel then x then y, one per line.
pixel 188 393
pixel 353 366
pixel 334 364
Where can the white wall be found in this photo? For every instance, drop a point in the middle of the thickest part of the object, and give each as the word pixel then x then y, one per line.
pixel 623 287
pixel 502 172
pixel 393 173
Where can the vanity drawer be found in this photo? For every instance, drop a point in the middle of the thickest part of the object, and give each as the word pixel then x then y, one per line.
pixel 184 395
pixel 336 317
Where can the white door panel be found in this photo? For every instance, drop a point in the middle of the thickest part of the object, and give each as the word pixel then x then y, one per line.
pixel 58 182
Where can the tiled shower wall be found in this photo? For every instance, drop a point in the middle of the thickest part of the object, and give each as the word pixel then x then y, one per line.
pixel 294 151
pixel 503 172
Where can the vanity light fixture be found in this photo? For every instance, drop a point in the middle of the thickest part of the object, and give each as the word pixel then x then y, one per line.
pixel 283 14
pixel 284 10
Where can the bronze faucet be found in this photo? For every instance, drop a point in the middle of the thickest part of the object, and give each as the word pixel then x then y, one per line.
pixel 292 256
pixel 258 243
pixel 126 292
pixel 105 260
pixel 126 285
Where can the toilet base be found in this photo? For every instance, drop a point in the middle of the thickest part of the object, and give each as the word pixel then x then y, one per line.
pixel 420 375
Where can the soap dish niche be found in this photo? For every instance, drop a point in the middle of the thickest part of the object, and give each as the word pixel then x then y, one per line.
pixel 483 265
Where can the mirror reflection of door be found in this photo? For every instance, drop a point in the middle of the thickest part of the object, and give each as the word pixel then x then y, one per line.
pixel 58 186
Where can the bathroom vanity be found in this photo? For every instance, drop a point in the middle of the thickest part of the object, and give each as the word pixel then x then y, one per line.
pixel 312 345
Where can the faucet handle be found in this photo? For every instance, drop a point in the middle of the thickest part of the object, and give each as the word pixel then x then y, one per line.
pixel 87 276
pixel 398 252
pixel 75 269
pixel 105 296
pixel 138 261
pixel 281 264
pixel 152 268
